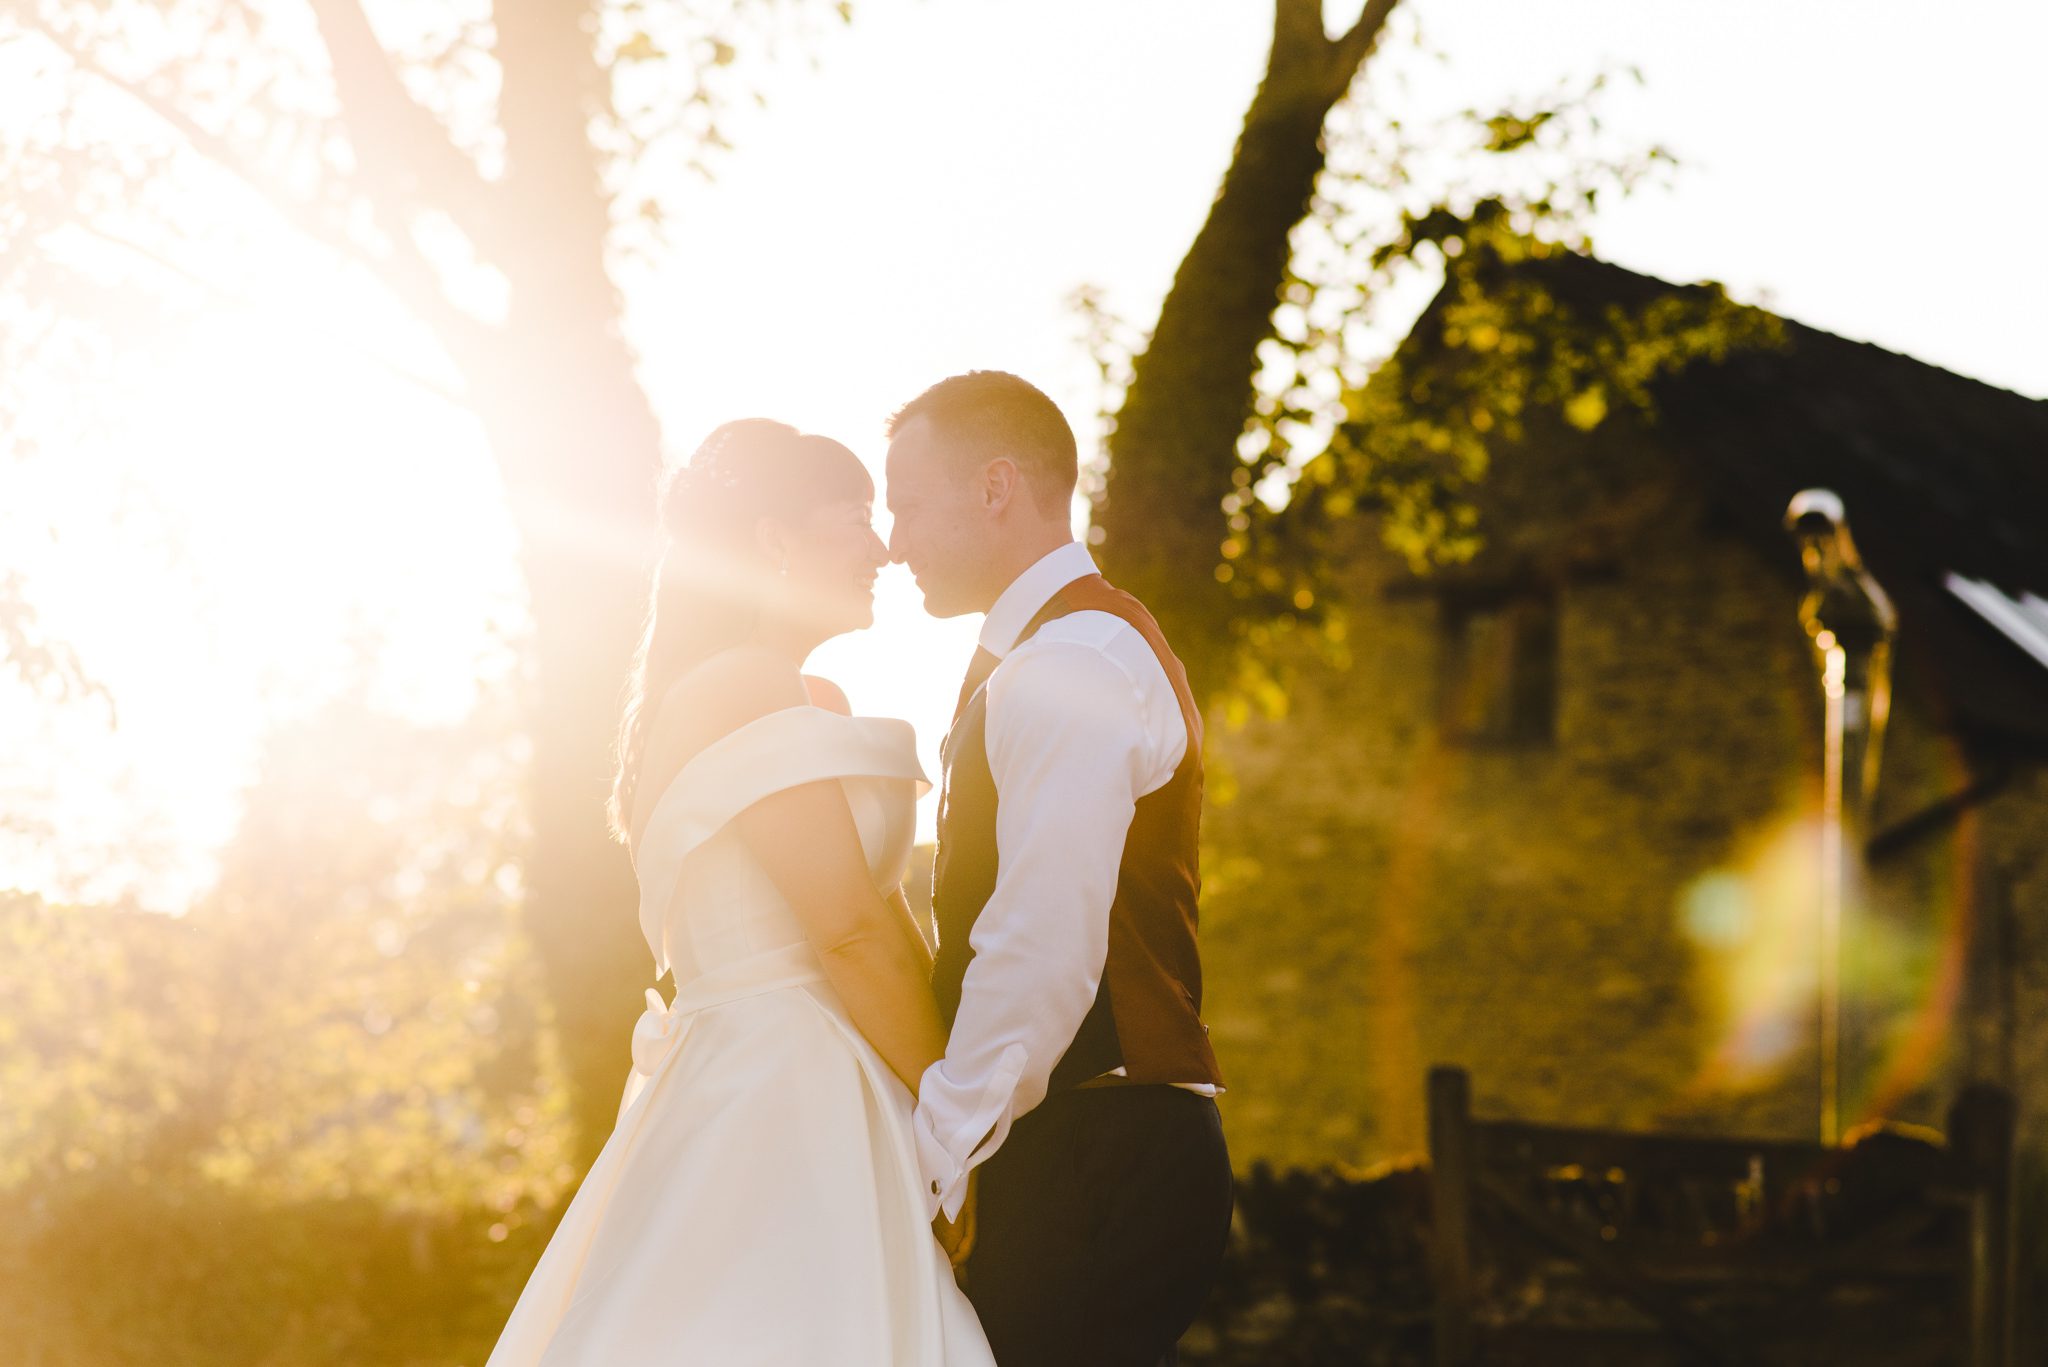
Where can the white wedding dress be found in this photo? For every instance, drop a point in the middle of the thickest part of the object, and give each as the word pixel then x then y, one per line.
pixel 758 1201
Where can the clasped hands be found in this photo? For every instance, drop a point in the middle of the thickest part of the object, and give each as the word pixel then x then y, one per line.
pixel 957 1236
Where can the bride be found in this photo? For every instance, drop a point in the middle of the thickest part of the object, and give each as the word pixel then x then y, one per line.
pixel 758 1201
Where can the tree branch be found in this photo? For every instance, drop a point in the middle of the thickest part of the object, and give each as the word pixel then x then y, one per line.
pixel 210 146
pixel 1316 64
pixel 1297 29
pixel 229 297
pixel 403 153
pixel 201 140
pixel 406 273
pixel 1357 44
pixel 1173 451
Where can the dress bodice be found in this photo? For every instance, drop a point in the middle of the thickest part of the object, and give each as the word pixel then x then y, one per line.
pixel 705 901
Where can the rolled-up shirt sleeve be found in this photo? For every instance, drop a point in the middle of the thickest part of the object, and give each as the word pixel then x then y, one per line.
pixel 1072 745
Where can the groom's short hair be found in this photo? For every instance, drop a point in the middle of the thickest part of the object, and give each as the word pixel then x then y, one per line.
pixel 984 414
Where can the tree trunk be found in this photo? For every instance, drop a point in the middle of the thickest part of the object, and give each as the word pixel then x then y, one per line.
pixel 554 388
pixel 1174 446
pixel 581 905
pixel 579 450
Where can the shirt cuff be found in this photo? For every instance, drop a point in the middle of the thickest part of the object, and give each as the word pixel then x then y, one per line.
pixel 979 1133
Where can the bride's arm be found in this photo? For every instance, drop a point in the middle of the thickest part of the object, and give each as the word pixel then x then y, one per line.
pixel 826 694
pixel 806 841
pixel 907 919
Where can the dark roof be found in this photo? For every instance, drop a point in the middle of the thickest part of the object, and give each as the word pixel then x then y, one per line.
pixel 1938 473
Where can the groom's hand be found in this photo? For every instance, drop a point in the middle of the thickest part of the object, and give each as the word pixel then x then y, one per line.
pixel 957 1236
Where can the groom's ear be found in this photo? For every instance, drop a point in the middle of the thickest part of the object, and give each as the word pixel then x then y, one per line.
pixel 1001 482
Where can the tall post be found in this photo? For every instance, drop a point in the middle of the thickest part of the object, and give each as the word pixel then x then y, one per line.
pixel 1850 623
pixel 1832 878
pixel 1980 1134
pixel 1450 1186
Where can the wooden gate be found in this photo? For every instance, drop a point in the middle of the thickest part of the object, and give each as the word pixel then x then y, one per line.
pixel 1718 1250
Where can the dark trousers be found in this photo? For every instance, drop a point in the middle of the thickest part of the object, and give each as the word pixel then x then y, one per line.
pixel 1101 1225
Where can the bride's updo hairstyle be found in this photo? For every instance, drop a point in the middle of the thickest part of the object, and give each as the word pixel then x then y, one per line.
pixel 713 574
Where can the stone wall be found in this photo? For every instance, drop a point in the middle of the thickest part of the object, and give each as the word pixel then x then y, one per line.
pixel 1614 927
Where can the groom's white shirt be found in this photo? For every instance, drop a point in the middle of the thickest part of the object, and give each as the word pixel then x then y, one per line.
pixel 1081 722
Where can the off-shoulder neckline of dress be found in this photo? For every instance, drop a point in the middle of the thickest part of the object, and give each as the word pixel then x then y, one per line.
pixel 727 742
pixel 750 724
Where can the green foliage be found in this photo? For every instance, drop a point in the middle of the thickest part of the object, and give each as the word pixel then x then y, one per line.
pixel 1410 436
pixel 50 668
pixel 1342 424
pixel 90 1070
pixel 105 1271
pixel 678 81
pixel 319 1117
pixel 1414 442
pixel 1417 439
pixel 352 1013
pixel 401 1053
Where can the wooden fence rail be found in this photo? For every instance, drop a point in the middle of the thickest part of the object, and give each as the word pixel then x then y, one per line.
pixel 1723 1243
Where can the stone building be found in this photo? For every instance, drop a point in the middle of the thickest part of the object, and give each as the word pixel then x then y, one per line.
pixel 1556 820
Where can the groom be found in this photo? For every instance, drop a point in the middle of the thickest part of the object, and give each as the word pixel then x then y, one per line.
pixel 1069 1138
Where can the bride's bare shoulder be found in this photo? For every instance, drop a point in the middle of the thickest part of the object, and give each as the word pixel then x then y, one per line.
pixel 828 695
pixel 722 694
pixel 717 697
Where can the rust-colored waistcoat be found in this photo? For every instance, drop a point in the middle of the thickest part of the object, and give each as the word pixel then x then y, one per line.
pixel 1146 1016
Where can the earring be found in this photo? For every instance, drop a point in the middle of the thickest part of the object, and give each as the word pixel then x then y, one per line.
pixel 783 569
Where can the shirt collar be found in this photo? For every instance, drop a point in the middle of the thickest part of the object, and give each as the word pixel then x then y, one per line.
pixel 1029 592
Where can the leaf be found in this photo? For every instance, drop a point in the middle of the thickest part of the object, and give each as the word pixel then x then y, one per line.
pixel 641 47
pixel 1587 409
pixel 1507 132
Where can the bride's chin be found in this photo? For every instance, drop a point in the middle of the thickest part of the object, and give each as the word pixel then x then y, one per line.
pixel 857 617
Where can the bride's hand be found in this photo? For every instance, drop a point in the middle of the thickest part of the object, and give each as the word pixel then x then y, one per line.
pixel 957 1236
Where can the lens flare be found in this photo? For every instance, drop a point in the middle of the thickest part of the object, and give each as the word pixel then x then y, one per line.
pixel 1754 924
